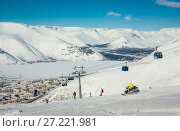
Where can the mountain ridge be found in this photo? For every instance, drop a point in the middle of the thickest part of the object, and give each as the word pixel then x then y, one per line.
pixel 31 44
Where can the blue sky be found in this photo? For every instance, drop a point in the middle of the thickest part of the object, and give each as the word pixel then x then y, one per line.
pixel 134 14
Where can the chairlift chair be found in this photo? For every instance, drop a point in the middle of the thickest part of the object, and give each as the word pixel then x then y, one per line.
pixel 125 68
pixel 158 55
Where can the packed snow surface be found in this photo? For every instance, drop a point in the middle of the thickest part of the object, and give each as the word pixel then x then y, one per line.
pixel 157 101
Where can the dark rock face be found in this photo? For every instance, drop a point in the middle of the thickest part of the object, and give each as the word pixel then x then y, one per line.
pixel 127 54
pixel 122 54
pixel 86 50
pixel 1 51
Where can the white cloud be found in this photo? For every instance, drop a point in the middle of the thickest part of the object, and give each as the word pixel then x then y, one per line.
pixel 168 3
pixel 128 17
pixel 113 14
pixel 137 19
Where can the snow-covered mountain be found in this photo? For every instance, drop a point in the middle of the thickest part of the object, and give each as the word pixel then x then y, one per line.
pixel 22 43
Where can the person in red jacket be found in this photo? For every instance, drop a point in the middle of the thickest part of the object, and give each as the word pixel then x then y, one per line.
pixel 102 91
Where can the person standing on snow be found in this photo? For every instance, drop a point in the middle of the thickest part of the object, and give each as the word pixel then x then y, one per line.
pixel 90 94
pixel 102 91
pixel 74 94
pixel 47 100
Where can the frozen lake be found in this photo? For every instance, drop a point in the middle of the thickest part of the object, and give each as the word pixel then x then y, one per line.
pixel 48 70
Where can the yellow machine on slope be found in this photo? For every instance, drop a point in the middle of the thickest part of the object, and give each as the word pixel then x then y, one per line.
pixel 130 89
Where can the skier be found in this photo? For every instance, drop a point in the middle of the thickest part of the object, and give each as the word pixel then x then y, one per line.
pixel 102 91
pixel 90 94
pixel 74 94
pixel 47 101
